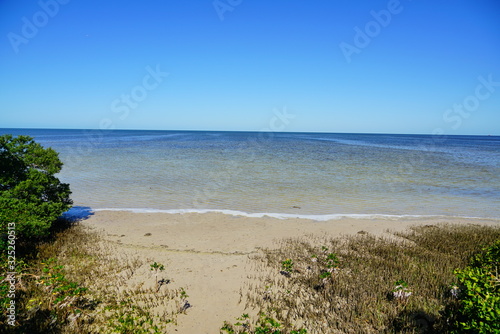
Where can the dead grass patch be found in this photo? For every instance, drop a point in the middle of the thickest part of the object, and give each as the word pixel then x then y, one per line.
pixel 363 283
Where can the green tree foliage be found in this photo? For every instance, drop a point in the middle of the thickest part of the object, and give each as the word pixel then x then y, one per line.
pixel 479 304
pixel 31 196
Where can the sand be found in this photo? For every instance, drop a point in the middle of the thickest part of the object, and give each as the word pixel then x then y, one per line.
pixel 208 254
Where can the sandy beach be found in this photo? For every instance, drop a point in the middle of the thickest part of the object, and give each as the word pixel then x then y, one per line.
pixel 208 253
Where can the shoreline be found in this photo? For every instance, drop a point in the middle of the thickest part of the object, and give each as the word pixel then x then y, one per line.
pixel 209 254
pixel 83 211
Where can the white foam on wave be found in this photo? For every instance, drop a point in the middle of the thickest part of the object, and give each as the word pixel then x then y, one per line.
pixel 324 217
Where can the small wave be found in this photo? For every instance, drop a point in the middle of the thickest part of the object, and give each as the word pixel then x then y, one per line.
pixel 325 217
pixel 421 146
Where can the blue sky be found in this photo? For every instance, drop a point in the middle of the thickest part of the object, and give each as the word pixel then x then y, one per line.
pixel 329 66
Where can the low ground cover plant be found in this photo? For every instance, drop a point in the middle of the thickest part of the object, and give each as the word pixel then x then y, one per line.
pixel 406 283
pixel 77 283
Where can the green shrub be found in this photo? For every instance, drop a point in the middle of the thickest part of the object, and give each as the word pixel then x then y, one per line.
pixel 479 299
pixel 31 196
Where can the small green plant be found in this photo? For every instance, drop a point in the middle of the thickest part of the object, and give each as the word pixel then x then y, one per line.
pixel 157 267
pixel 184 302
pixel 326 264
pixel 183 294
pixel 400 285
pixel 265 324
pixel 325 274
pixel 332 260
pixel 287 265
pixel 401 292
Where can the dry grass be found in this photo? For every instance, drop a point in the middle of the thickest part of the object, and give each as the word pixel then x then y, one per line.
pixel 351 284
pixel 80 284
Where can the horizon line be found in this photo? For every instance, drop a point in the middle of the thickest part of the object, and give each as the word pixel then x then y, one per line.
pixel 249 131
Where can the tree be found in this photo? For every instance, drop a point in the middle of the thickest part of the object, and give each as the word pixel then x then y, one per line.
pixel 30 195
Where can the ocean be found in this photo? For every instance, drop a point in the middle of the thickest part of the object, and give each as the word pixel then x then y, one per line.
pixel 315 175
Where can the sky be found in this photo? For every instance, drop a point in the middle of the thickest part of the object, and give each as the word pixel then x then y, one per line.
pixel 409 66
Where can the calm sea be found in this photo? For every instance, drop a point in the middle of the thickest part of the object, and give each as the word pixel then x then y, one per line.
pixel 299 174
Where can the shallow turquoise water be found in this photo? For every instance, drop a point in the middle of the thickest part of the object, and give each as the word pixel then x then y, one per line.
pixel 293 173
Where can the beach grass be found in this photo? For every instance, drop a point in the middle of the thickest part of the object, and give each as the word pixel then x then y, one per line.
pixel 79 283
pixel 362 283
